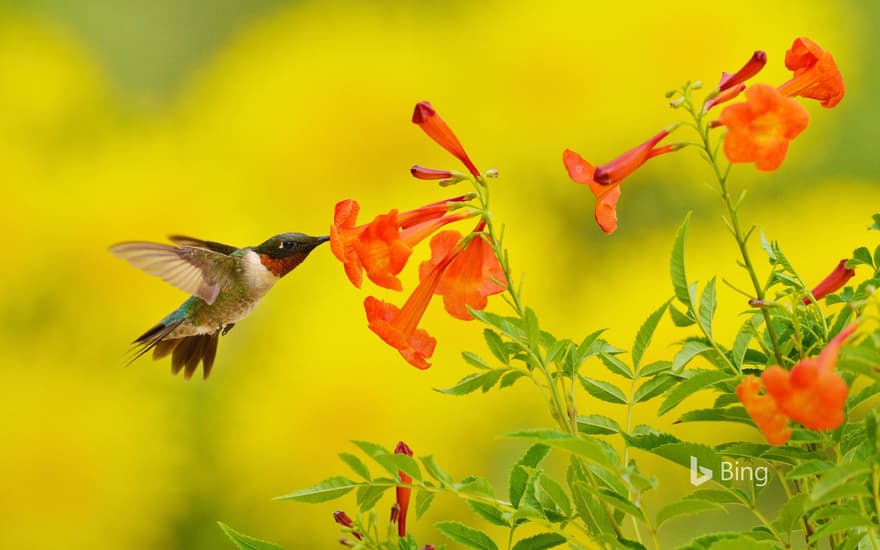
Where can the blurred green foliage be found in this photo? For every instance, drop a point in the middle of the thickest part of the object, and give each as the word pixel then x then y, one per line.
pixel 234 121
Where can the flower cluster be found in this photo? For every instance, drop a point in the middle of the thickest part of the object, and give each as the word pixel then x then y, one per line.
pixel 463 269
pixel 812 393
pixel 759 129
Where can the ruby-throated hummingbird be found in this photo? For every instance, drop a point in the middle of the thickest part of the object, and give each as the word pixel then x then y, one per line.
pixel 226 284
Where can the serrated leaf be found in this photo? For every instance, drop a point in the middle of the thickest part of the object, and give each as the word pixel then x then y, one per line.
pixel 687 507
pixel 328 489
pixel 584 446
pixel 473 382
pixel 718 414
pixel 467 536
pixel 510 378
pixel 645 333
pixel 533 332
pixel 369 495
pixel 743 338
pixel 489 513
pixel 615 365
pixel 699 381
pixel 676 264
pixel 540 542
pixel 496 345
pixel 809 469
pixel 707 307
pixel 861 255
pixel 714 495
pixel 475 360
pixel 838 525
pixel 556 495
pixel 790 513
pixel 836 477
pixel 434 470
pixel 519 476
pixel 655 367
pixel 596 424
pixel 690 349
pixel 605 391
pixel 679 318
pixel 356 465
pixel 245 542
pixel 653 387
pixel 423 503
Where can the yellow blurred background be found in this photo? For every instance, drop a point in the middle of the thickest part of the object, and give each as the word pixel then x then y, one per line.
pixel 232 122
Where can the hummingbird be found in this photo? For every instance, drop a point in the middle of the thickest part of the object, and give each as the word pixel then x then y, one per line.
pixel 226 283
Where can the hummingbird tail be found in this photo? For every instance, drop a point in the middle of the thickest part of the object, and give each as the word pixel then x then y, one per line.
pixel 186 352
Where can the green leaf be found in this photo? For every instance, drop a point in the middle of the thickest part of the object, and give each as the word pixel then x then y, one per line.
pixel 653 387
pixel 605 391
pixel 496 345
pixel 714 495
pixel 690 349
pixel 707 307
pixel 646 332
pixel 615 365
pixel 790 513
pixel 557 499
pixel 519 477
pixel 676 265
pixel 619 503
pixel 434 470
pixel 467 536
pixel 475 360
pixel 687 507
pixel 508 379
pixel 837 525
pixel 719 414
pixel 679 318
pixel 423 503
pixel 369 495
pixel 245 542
pixel 809 469
pixel 356 465
pixel 584 446
pixel 655 367
pixel 596 424
pixel 743 338
pixel 473 382
pixel 328 489
pixel 861 255
pixel 836 477
pixel 532 330
pixel 587 346
pixel 700 380
pixel 489 513
pixel 876 224
pixel 540 542
pixel 877 256
pixel 392 462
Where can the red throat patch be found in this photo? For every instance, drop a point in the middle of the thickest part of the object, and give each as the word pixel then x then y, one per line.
pixel 281 266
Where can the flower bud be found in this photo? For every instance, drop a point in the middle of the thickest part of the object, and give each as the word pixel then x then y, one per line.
pixel 422 173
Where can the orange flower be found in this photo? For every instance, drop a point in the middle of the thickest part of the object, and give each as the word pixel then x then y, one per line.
pixel 469 279
pixel 812 393
pixel 731 85
pixel 402 493
pixel 764 411
pixel 383 246
pixel 833 282
pixel 760 129
pixel 428 120
pixel 604 180
pixel 816 75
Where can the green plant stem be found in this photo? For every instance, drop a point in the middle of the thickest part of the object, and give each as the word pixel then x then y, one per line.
pixel 564 412
pixel 738 235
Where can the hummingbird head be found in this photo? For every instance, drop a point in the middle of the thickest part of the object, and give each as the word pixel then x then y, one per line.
pixel 283 252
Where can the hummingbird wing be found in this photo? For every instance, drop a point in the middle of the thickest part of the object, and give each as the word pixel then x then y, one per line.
pixel 197 271
pixel 183 240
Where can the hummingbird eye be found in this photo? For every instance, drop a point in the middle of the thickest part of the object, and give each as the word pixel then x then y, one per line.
pixel 286 244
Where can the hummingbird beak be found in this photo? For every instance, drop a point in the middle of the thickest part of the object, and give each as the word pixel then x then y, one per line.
pixel 318 241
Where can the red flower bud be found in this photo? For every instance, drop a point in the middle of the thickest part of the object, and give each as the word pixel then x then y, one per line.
pixel 428 120
pixel 422 173
pixel 342 519
pixel 833 282
pixel 403 493
pixel 752 67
